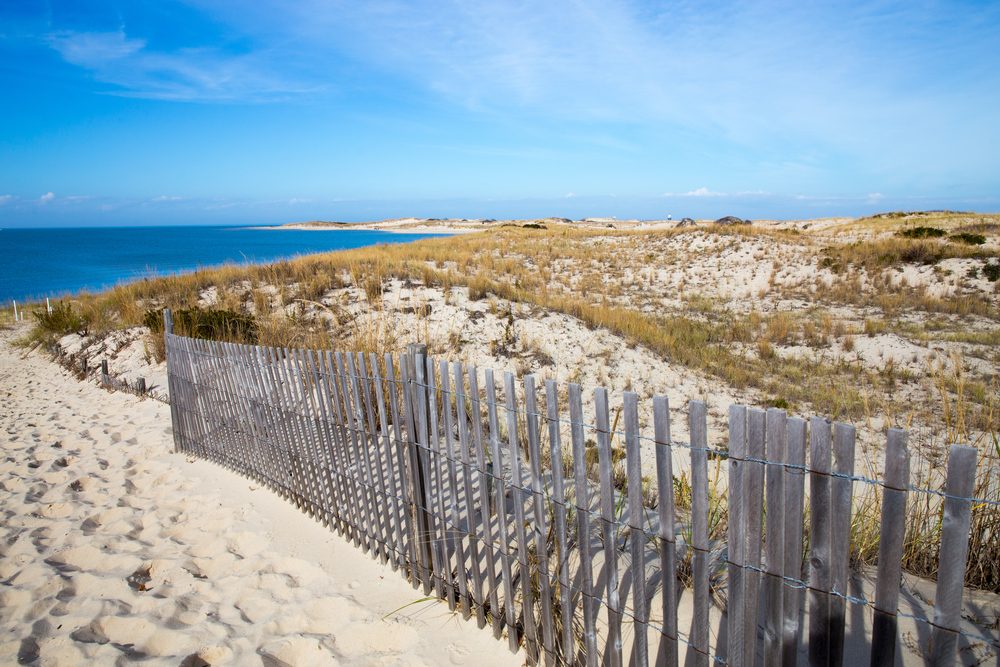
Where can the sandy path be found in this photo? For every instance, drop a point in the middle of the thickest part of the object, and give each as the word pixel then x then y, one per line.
pixel 113 549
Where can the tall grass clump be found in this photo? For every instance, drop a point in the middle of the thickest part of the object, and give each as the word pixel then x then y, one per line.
pixel 63 319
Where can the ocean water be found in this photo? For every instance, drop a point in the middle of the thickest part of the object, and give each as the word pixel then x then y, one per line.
pixel 39 263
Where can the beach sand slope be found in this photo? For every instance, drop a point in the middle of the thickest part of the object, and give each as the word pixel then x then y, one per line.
pixel 115 550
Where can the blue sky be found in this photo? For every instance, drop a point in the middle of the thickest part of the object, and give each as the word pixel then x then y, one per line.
pixel 230 112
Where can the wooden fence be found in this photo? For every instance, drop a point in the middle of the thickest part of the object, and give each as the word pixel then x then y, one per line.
pixel 471 493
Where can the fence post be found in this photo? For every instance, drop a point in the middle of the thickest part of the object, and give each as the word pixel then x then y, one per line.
pixel 175 426
pixel 15 309
pixel 140 386
pixel 417 354
pixel 105 376
pixel 48 306
pixel 890 549
pixel 953 553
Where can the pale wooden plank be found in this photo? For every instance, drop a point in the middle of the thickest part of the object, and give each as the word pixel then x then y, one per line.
pixel 420 535
pixel 372 457
pixel 754 500
pixel 354 470
pixel 517 493
pixel 583 509
pixel 613 646
pixel 637 533
pixel 401 451
pixel 775 537
pixel 503 531
pixel 307 419
pixel 341 452
pixel 263 409
pixel 540 526
pixel 335 488
pixel 698 428
pixel 737 534
pixel 435 489
pixel 819 541
pixel 455 532
pixel 567 608
pixel 890 548
pixel 667 541
pixel 841 500
pixel 795 456
pixel 288 421
pixel 490 542
pixel 469 505
pixel 387 464
pixel 954 551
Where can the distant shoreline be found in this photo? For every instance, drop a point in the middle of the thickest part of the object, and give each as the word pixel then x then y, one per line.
pixel 365 227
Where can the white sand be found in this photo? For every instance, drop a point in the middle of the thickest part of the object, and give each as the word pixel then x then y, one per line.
pixel 113 549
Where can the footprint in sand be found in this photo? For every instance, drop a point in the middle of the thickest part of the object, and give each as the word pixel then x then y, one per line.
pixel 296 651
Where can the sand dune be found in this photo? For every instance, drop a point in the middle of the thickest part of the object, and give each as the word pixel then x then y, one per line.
pixel 113 549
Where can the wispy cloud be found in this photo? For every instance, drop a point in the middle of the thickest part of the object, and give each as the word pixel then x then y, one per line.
pixel 47 197
pixel 705 192
pixel 187 74
pixel 5 199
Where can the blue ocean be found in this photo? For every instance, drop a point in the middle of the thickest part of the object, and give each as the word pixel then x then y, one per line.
pixel 39 263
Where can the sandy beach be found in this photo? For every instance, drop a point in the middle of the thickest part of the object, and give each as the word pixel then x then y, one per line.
pixel 115 550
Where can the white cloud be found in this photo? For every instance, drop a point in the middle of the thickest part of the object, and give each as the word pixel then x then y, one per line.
pixel 875 196
pixel 190 74
pixel 703 192
pixel 47 197
pixel 163 198
pixel 697 192
pixel 5 198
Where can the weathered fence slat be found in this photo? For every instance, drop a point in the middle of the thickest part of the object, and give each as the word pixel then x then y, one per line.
pixel 334 478
pixel 483 490
pixel 436 481
pixel 737 534
pixel 819 541
pixel 469 504
pixel 456 534
pixel 890 549
pixel 567 609
pixel 698 428
pixel 609 533
pixel 500 510
pixel 397 453
pixel 954 551
pixel 754 502
pixel 540 520
pixel 795 456
pixel 667 541
pixel 425 456
pixel 775 536
pixel 353 447
pixel 637 537
pixel 517 492
pixel 582 494
pixel 392 470
pixel 841 500
pixel 373 456
pixel 416 417
pixel 341 451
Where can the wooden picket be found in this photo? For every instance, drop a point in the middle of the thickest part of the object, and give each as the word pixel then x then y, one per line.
pixel 473 496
